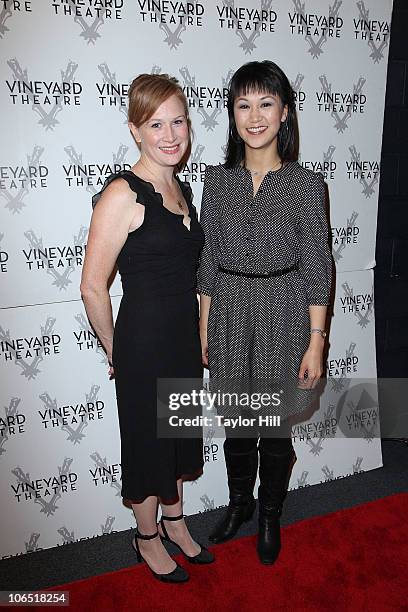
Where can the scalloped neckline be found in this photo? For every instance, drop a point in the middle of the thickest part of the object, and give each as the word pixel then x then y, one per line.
pixel 181 216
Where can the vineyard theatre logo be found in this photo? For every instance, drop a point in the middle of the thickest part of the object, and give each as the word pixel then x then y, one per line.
pixel 210 448
pixel 194 170
pixel 12 423
pixel 7 7
pixel 103 473
pixel 315 28
pixel 107 527
pixel 68 537
pixel 343 366
pixel 86 339
pixel 207 101
pixel 106 474
pixel 315 446
pixel 357 469
pixel 172 17
pixel 32 544
pixel 360 305
pixel 208 504
pixel 374 32
pixel 326 166
pixel 248 22
pixel 302 481
pixel 72 418
pixel 89 14
pixel 47 489
pixel 366 172
pixel 300 95
pixel 35 348
pixel 341 105
pixel 4 257
pixel 345 236
pixel 29 547
pixel 59 261
pixel 16 181
pixel 110 92
pixel 46 98
pixel 359 414
pixel 328 474
pixel 92 175
pixel 324 428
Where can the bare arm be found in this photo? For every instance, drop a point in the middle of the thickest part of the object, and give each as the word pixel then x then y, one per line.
pixel 205 303
pixel 312 360
pixel 114 215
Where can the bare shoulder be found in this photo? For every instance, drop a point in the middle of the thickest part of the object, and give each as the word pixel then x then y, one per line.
pixel 116 198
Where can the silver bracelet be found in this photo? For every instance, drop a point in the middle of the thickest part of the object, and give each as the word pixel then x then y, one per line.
pixel 317 330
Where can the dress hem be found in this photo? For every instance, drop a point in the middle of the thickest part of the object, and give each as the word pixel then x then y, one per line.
pixel 166 501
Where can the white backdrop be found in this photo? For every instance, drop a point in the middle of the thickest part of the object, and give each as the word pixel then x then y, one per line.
pixel 64 71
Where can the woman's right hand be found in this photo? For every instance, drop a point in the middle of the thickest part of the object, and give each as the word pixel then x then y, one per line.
pixel 111 371
pixel 205 303
pixel 204 346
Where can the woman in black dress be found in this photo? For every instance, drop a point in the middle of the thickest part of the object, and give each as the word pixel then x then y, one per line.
pixel 264 279
pixel 145 222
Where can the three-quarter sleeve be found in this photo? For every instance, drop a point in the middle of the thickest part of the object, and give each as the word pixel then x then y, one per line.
pixel 315 254
pixel 208 266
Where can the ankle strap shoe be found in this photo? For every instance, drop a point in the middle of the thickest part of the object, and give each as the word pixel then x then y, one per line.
pixel 202 558
pixel 179 574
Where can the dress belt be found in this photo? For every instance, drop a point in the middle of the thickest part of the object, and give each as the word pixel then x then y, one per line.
pixel 274 273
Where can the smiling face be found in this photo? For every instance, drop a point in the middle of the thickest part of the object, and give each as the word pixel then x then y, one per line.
pixel 164 138
pixel 258 117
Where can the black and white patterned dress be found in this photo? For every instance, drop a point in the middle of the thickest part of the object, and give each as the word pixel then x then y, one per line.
pixel 258 327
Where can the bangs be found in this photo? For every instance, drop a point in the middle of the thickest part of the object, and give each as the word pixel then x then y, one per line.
pixel 255 79
pixel 262 78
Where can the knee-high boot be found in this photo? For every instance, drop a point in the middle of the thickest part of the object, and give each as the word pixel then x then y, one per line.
pixel 241 471
pixel 274 474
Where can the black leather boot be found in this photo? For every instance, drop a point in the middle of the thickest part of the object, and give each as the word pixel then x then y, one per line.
pixel 241 470
pixel 274 473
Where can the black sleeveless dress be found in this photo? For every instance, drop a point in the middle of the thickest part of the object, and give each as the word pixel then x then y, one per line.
pixel 156 335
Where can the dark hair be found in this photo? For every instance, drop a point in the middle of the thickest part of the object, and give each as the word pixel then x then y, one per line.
pixel 262 77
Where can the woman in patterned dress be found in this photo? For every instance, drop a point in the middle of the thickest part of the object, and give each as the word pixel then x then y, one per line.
pixel 264 280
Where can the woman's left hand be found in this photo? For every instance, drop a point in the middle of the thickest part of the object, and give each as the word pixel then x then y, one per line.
pixel 311 368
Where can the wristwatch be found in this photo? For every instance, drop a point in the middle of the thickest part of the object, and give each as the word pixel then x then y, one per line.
pixel 322 332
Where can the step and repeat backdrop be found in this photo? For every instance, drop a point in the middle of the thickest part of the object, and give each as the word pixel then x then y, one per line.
pixel 65 69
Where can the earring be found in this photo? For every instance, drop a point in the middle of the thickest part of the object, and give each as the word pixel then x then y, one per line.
pixel 236 137
pixel 284 126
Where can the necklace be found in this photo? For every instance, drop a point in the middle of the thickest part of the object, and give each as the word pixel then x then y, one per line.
pixel 258 173
pixel 179 203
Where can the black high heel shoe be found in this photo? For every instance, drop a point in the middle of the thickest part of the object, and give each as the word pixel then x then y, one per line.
pixel 179 574
pixel 203 557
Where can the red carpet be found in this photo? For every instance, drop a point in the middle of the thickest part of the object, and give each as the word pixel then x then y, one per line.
pixel 351 560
